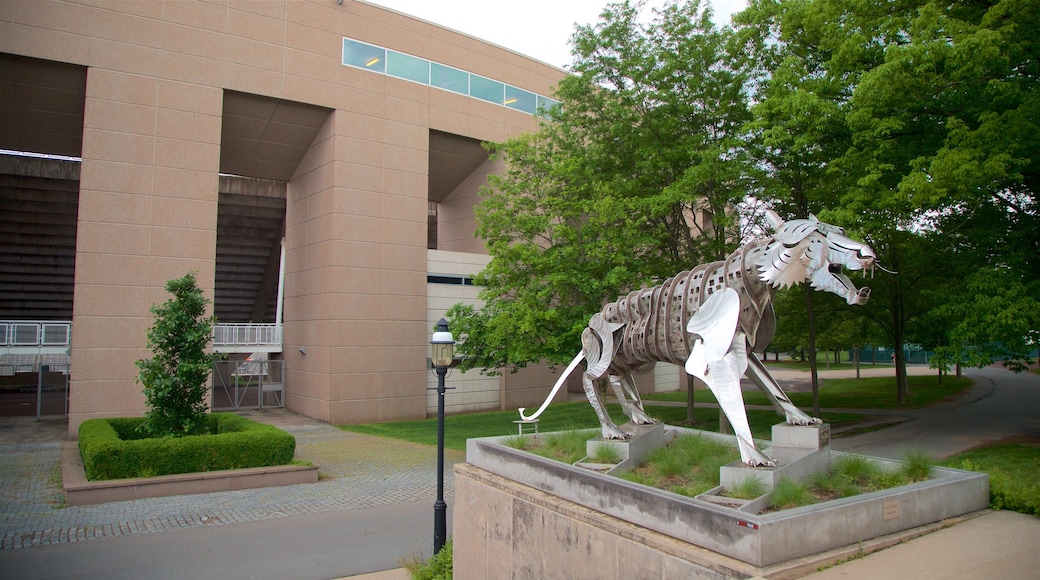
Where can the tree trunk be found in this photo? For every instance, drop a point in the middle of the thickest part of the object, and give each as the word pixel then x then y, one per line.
pixel 812 351
pixel 691 383
pixel 898 332
pixel 855 359
pixel 724 427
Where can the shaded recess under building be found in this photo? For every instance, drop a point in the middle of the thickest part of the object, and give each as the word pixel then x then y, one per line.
pixel 41 111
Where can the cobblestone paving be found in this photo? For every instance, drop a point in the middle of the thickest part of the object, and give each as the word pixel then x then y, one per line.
pixel 356 471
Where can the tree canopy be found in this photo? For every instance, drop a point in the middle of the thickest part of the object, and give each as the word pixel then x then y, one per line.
pixel 911 122
pixel 928 134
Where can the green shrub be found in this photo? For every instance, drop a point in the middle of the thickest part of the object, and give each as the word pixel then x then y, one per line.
pixel 1014 474
pixel 115 449
pixel 607 454
pixel 856 469
pixel 917 466
pixel 175 377
pixel 834 484
pixel 439 567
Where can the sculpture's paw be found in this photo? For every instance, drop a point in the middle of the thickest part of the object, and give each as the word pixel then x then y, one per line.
pixel 752 456
pixel 612 432
pixel 640 418
pixel 797 417
pixel 763 462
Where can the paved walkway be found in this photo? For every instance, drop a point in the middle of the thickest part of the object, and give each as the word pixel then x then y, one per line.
pixel 356 471
pixel 375 478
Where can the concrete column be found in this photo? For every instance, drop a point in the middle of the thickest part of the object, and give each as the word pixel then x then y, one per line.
pixel 147 214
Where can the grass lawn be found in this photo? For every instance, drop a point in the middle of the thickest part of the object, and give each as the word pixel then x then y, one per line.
pixel 1014 474
pixel 865 393
pixel 821 364
pixel 558 417
pixel 458 428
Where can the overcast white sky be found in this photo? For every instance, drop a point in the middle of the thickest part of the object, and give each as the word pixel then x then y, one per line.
pixel 535 28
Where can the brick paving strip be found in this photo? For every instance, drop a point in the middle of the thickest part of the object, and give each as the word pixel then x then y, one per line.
pixel 356 472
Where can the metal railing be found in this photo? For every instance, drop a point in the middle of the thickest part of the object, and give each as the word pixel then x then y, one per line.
pixel 249 334
pixel 35 333
pixel 254 383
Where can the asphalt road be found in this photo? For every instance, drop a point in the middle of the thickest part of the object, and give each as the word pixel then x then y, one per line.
pixel 1000 405
pixel 305 547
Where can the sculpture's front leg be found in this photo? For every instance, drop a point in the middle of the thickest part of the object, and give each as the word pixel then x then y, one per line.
pixel 719 358
pixel 723 378
pixel 759 374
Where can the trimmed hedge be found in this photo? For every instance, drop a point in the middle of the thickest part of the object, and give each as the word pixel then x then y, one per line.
pixel 117 448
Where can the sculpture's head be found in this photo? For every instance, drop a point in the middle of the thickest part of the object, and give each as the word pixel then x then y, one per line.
pixel 810 250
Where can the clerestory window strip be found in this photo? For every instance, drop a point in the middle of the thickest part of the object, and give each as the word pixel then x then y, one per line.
pixel 389 62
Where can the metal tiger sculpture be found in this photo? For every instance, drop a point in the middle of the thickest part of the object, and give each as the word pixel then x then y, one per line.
pixel 712 319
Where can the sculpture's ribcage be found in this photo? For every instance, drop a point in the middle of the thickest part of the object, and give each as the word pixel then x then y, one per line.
pixel 655 318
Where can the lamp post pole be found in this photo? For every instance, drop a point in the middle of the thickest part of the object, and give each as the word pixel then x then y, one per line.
pixel 441 357
pixel 440 509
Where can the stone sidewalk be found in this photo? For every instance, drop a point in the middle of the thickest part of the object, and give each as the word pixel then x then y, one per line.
pixel 356 471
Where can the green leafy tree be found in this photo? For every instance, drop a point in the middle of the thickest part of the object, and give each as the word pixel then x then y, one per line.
pixel 633 179
pixel 798 130
pixel 927 116
pixel 175 377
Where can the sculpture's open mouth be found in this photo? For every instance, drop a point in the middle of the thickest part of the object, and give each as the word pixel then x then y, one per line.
pixel 852 294
pixel 842 285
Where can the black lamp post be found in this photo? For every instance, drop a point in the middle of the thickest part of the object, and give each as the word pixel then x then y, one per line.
pixel 442 347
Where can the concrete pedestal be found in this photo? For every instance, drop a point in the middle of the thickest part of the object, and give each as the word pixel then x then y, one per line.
pixel 800 450
pixel 521 515
pixel 632 451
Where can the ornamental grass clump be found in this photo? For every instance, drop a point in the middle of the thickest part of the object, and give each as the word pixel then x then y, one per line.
pixel 564 446
pixel 688 465
pixel 175 377
pixel 606 454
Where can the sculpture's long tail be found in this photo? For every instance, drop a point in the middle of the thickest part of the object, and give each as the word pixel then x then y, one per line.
pixel 559 383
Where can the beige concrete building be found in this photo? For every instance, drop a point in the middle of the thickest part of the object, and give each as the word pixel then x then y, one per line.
pixel 197 136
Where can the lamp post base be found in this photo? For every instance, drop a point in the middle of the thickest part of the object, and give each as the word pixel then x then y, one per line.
pixel 440 525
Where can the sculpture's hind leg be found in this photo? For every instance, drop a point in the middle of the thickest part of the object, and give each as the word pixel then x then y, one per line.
pixel 625 389
pixel 598 346
pixel 608 428
pixel 759 374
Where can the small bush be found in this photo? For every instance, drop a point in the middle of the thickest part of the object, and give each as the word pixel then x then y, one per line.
pixel 669 465
pixel 439 567
pixel 175 377
pixel 917 466
pixel 834 484
pixel 856 469
pixel 116 449
pixel 1014 474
